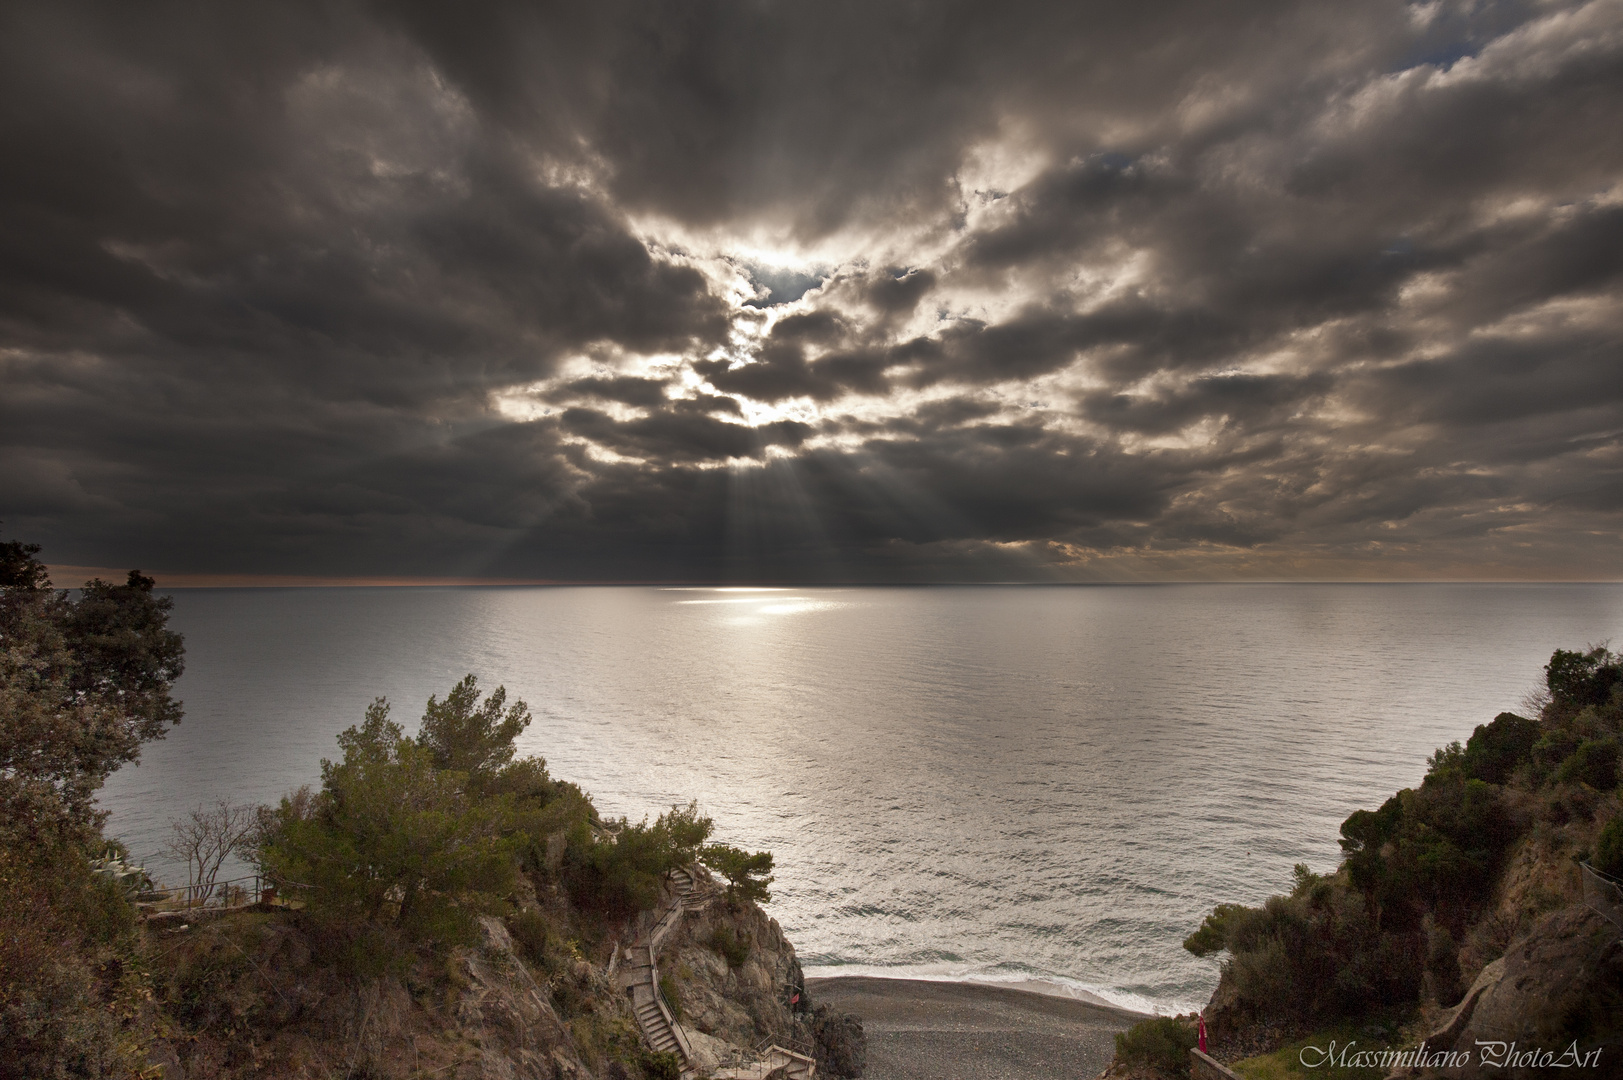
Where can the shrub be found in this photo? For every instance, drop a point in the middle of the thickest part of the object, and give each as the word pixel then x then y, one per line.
pixel 734 948
pixel 1495 750
pixel 1311 955
pixel 672 995
pixel 1162 1044
pixel 64 936
pixel 52 1021
pixel 1608 857
pixel 1443 966
pixel 530 932
pixel 661 1065
pixel 1436 849
pixel 1552 748
pixel 1594 763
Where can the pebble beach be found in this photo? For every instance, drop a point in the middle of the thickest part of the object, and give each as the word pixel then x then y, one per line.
pixel 920 1030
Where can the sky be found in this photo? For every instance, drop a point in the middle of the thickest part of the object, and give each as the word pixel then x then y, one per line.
pixel 838 292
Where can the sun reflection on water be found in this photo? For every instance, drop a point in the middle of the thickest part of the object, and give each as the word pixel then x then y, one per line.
pixel 761 601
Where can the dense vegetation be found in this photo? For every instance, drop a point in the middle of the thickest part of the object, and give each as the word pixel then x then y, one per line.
pixel 83 683
pixel 1160 1046
pixel 1407 915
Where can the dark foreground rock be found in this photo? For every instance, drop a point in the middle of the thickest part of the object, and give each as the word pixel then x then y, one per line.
pixel 1559 989
pixel 842 1045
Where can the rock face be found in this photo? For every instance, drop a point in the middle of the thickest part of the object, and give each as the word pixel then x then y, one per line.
pixel 1562 983
pixel 842 1046
pixel 744 1004
pixel 738 980
pixel 491 1010
pixel 509 1015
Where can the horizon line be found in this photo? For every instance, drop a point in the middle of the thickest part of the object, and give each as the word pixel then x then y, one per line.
pixel 201 580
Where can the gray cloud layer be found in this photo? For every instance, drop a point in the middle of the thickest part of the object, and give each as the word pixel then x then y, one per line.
pixel 830 292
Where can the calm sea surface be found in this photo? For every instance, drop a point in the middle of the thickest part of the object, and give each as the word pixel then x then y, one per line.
pixel 999 783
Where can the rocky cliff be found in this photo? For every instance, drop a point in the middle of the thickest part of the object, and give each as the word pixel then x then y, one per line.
pixel 250 994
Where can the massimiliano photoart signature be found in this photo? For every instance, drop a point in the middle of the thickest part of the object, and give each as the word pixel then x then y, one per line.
pixel 1493 1054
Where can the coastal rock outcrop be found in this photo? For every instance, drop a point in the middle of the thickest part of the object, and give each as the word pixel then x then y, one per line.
pixel 736 978
pixel 842 1046
pixel 1476 915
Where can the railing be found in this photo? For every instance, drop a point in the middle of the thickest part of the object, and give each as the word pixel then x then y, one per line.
pixel 233 892
pixel 666 1011
pixel 1604 893
pixel 799 1046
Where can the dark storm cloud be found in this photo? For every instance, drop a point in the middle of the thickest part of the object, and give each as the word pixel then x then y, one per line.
pixel 1257 401
pixel 682 436
pixel 838 291
pixel 626 389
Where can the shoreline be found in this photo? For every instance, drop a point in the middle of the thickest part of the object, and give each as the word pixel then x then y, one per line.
pixel 934 1029
pixel 1064 989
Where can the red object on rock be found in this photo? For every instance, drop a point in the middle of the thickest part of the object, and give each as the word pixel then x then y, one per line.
pixel 1203 1033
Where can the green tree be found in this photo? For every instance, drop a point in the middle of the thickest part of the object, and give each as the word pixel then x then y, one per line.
pixel 748 873
pixel 620 871
pixel 1579 679
pixel 1213 935
pixel 83 684
pixel 463 735
pixel 392 842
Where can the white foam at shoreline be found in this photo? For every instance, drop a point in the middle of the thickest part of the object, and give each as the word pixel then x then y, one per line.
pixel 1050 985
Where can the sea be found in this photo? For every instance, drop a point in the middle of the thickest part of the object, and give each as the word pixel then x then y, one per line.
pixel 1045 786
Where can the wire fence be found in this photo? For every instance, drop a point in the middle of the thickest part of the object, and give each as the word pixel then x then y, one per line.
pixel 1604 893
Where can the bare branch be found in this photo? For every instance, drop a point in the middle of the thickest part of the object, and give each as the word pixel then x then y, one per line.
pixel 209 835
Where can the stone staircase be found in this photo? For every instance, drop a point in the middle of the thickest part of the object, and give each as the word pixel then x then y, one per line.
pixel 640 975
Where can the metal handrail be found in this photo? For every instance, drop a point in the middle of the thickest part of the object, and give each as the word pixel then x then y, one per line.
pixel 794 1046
pixel 208 893
pixel 219 893
pixel 666 1011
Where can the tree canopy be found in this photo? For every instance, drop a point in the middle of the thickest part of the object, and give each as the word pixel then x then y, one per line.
pixel 83 684
pixel 393 842
pixel 465 736
pixel 748 873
